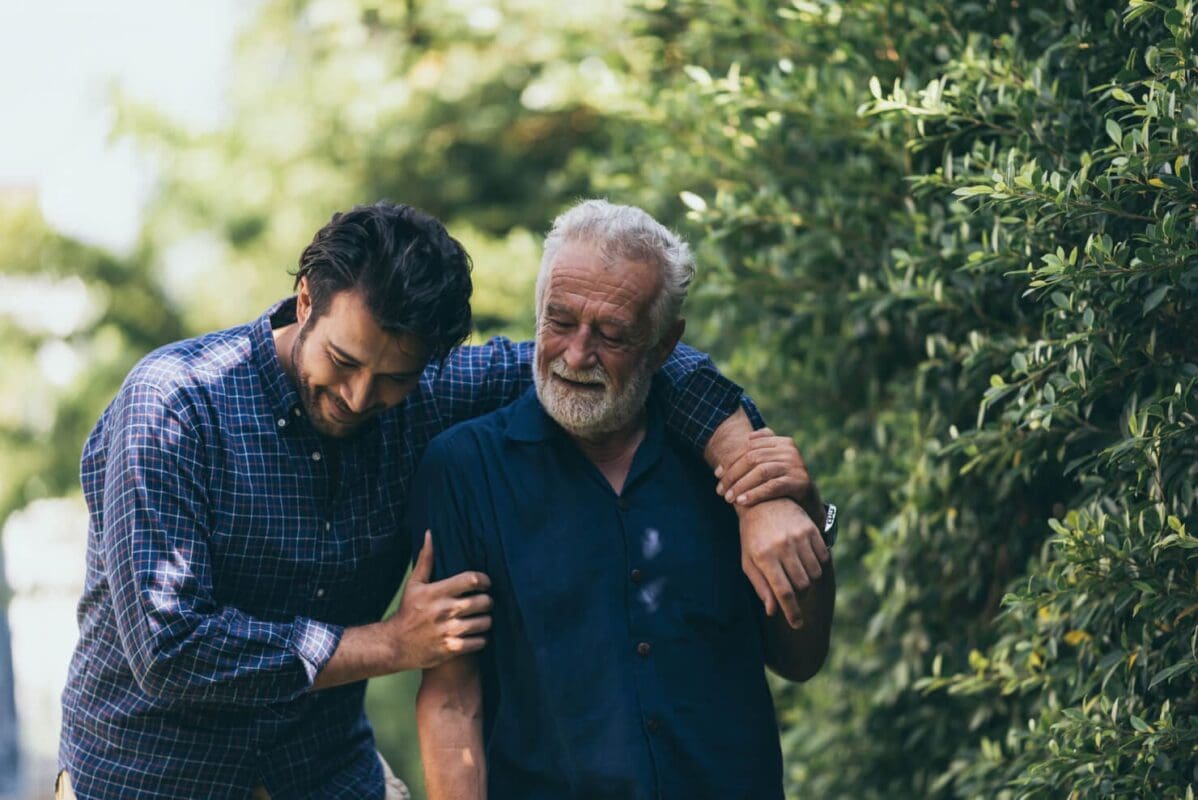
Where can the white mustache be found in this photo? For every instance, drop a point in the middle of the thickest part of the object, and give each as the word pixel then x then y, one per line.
pixel 596 374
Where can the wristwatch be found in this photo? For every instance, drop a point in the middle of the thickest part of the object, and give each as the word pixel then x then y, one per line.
pixel 829 532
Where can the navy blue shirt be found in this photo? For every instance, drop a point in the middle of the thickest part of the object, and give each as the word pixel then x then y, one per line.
pixel 625 661
pixel 229 544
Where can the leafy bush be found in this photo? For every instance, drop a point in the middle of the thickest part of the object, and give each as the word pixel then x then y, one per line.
pixel 969 283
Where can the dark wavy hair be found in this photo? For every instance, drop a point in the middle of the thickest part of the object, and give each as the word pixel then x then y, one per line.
pixel 413 276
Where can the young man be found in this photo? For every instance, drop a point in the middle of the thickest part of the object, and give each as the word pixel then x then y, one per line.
pixel 627 656
pixel 246 491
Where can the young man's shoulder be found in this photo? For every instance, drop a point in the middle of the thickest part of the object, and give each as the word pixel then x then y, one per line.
pixel 206 370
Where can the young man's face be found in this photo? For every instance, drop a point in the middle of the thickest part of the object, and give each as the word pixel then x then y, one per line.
pixel 348 369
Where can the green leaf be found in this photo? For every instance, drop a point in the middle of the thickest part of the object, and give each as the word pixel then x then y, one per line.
pixel 1122 96
pixel 1155 297
pixel 1114 131
pixel 1169 672
pixel 1140 725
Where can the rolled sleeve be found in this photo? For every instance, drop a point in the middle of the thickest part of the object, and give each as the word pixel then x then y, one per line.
pixel 315 643
pixel 698 398
pixel 179 641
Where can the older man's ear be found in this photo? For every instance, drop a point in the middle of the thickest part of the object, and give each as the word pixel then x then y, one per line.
pixel 668 342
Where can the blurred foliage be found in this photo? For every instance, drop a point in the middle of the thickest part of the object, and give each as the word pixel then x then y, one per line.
pixel 473 111
pixel 73 321
pixel 953 246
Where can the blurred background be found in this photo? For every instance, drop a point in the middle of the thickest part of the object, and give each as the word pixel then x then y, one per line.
pixel 950 246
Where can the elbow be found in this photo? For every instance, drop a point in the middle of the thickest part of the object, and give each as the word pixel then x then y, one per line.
pixel 802 669
pixel 438 698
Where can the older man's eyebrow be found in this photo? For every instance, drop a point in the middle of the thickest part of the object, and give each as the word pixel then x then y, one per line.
pixel 558 310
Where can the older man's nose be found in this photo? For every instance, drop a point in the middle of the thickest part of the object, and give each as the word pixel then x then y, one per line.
pixel 580 352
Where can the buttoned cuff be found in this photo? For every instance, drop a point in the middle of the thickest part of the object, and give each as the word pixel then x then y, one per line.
pixel 315 643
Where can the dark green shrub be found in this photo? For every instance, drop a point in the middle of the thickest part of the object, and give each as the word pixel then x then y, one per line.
pixel 970 285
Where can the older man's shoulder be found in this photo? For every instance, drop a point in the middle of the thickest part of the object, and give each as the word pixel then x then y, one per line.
pixel 467 441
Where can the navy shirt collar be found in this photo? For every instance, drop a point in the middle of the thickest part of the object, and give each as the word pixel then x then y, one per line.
pixel 529 422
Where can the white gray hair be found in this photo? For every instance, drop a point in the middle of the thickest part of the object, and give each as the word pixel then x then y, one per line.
pixel 626 233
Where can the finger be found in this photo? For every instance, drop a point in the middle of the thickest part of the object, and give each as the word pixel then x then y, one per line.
pixel 760 585
pixel 463 583
pixel 810 561
pixel 821 550
pixel 757 477
pixel 423 571
pixel 472 605
pixel 735 470
pixel 784 590
pixel 472 626
pixel 778 487
pixel 461 645
pixel 761 433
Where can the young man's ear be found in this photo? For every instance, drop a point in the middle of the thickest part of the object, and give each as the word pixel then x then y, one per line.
pixel 669 341
pixel 303 302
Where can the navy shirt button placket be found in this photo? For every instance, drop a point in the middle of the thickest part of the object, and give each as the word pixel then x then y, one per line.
pixel 622 503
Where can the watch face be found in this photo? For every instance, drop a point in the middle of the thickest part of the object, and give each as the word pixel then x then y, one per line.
pixel 830 525
pixel 829 518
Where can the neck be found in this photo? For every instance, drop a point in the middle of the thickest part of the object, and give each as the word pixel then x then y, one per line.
pixel 612 452
pixel 284 338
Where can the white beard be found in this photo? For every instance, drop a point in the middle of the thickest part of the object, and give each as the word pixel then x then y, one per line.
pixel 587 414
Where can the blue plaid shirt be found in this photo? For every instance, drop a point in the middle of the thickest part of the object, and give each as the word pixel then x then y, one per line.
pixel 228 546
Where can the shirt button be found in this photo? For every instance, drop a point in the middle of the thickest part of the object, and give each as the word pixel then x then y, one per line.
pixel 282 422
pixel 316 455
pixel 653 724
pixel 320 592
pixel 637 576
pixel 643 649
pixel 328 526
pixel 297 411
pixel 622 503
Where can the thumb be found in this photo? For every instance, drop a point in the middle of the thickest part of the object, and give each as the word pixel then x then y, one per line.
pixel 423 571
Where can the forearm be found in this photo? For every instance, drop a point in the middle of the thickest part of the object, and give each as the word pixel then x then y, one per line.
pixel 797 654
pixel 449 721
pixel 729 440
pixel 364 652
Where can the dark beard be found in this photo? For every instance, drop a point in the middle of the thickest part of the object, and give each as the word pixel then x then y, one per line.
pixel 308 397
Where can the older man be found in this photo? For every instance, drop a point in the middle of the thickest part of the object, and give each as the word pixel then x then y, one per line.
pixel 627 654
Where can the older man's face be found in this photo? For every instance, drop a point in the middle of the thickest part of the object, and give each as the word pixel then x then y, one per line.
pixel 594 354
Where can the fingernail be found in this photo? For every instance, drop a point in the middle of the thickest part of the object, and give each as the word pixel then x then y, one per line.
pixel 728 495
pixel 719 472
pixel 742 499
pixel 719 488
